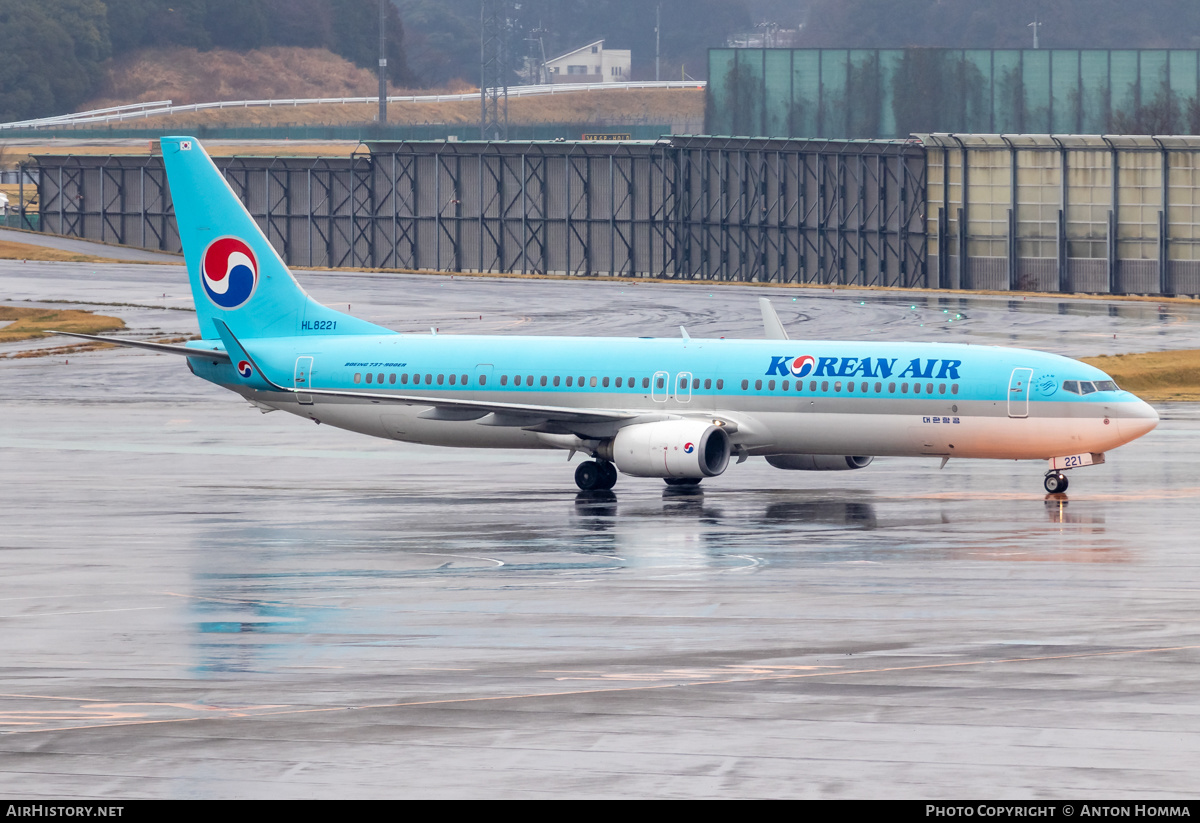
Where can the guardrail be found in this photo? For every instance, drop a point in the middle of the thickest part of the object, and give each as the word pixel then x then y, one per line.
pixel 129 110
pixel 164 107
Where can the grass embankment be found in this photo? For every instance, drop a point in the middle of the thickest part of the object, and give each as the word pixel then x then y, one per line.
pixel 1158 377
pixel 32 323
pixel 26 251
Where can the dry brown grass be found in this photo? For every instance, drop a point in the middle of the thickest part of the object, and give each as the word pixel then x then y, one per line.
pixel 1154 376
pixel 189 76
pixel 26 251
pixel 32 323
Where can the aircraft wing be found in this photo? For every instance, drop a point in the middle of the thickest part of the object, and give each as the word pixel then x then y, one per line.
pixel 444 408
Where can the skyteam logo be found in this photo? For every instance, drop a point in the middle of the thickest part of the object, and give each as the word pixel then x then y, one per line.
pixel 244 369
pixel 803 366
pixel 229 271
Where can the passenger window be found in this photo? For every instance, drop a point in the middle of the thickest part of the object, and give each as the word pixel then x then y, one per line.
pixel 849 387
pixel 864 387
pixel 812 385
pixel 720 384
pixel 591 382
pixel 529 380
pixel 504 380
pixel 369 376
pixel 758 385
pixel 404 378
pixel 379 379
pixel 570 381
pixel 771 385
pixel 556 379
pixel 483 379
pixel 891 388
pixel 619 379
pixel 879 388
pixel 837 386
pixel 941 388
pixel 441 379
pixel 358 377
pixel 429 380
pixel 658 383
pixel 745 385
pixel 954 388
pixel 785 385
pixel 581 382
pixel 605 383
pixel 682 383
pixel 463 380
pixel 824 385
pixel 452 379
pixel 707 383
pixel 929 388
pixel 696 383
pixel 645 382
pixel 392 377
pixel 543 380
pixel 916 388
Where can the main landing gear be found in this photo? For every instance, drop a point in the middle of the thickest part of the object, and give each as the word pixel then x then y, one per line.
pixel 596 475
pixel 1056 482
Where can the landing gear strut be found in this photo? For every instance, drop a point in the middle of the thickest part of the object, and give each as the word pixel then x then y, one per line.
pixel 596 475
pixel 1055 482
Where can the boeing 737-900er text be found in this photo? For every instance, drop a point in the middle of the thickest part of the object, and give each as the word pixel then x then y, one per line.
pixel 674 408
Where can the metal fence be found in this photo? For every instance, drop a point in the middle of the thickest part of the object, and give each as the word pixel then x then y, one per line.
pixel 839 212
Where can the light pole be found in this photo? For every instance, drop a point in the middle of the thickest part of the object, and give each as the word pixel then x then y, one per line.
pixel 382 62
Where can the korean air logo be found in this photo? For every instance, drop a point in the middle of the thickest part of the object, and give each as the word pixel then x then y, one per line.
pixel 803 366
pixel 229 272
pixel 688 448
pixel 244 369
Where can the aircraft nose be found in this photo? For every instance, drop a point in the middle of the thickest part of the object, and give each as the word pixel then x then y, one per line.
pixel 1136 419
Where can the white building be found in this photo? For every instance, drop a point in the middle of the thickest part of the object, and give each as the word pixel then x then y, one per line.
pixel 591 64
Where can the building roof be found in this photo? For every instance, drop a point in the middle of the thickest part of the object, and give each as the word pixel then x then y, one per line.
pixel 599 43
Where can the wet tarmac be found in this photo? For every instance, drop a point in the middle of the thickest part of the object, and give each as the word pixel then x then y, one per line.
pixel 198 600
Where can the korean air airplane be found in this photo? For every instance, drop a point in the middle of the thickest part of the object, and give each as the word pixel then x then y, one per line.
pixel 676 408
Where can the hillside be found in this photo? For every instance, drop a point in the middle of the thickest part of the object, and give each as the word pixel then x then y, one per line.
pixel 187 75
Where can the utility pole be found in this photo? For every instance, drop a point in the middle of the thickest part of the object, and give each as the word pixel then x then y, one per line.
pixel 657 29
pixel 382 62
pixel 1035 25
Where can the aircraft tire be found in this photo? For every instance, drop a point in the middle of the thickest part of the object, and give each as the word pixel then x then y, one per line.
pixel 682 481
pixel 608 475
pixel 1056 482
pixel 589 476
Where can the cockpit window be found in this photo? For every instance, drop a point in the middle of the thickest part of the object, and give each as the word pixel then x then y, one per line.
pixel 1106 385
pixel 1071 385
pixel 1086 387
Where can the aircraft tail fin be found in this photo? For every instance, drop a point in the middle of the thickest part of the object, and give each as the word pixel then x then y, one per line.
pixel 236 275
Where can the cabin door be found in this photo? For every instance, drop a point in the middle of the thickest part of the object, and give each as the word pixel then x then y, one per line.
pixel 302 379
pixel 1018 392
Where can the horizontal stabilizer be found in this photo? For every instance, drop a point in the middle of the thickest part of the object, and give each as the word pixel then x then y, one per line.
pixel 162 348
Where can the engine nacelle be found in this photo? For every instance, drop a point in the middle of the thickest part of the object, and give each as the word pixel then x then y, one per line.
pixel 818 462
pixel 670 448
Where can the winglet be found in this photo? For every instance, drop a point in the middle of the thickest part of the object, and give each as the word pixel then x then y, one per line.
pixel 771 324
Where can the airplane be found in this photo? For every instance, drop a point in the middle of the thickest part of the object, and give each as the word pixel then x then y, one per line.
pixel 680 409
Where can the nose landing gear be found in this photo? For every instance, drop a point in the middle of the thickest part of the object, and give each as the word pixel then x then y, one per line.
pixel 596 475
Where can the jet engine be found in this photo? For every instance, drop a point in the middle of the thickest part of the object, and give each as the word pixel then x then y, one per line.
pixel 818 462
pixel 670 448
